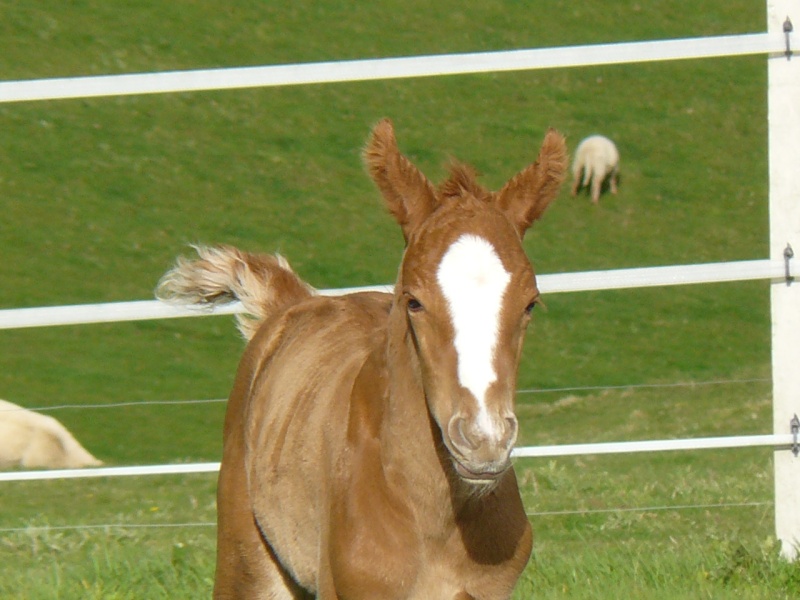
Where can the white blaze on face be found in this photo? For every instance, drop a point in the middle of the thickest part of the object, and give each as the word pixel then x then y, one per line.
pixel 474 281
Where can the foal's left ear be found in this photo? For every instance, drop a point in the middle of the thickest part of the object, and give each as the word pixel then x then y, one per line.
pixel 526 196
pixel 408 194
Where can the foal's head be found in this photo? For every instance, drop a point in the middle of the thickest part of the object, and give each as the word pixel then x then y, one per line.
pixel 467 290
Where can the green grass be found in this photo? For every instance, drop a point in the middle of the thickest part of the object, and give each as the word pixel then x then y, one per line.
pixel 98 197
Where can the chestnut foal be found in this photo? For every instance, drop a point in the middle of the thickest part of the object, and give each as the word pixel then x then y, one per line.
pixel 368 437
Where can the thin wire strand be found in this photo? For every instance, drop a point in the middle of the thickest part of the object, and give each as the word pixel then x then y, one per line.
pixel 48 528
pixel 647 508
pixel 632 386
pixel 117 404
pixel 580 512
pixel 589 388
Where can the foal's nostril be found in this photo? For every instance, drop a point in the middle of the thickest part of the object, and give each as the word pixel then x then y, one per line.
pixel 463 436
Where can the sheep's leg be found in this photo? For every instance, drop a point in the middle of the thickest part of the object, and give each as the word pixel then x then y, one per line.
pixel 597 182
pixel 613 181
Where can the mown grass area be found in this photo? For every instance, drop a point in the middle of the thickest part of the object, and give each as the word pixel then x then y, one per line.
pixel 98 197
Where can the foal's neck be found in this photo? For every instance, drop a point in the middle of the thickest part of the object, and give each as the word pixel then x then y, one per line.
pixel 411 441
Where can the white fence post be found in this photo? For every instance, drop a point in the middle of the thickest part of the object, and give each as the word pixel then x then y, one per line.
pixel 784 208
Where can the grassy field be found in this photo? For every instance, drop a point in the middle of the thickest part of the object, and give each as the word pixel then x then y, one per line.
pixel 98 197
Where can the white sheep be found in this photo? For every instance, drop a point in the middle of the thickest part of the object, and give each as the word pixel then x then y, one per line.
pixel 598 159
pixel 30 440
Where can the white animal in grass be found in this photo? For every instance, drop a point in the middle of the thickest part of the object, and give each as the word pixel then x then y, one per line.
pixel 597 159
pixel 29 439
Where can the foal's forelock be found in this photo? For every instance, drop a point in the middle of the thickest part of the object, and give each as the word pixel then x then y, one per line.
pixel 474 282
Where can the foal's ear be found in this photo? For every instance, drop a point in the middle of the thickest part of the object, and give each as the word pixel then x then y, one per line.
pixel 526 196
pixel 408 194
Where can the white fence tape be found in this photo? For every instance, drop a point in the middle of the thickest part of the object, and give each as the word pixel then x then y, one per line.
pixel 46 316
pixel 210 467
pixel 669 275
pixel 389 68
pixel 777 441
pixel 138 310
pixel 774 441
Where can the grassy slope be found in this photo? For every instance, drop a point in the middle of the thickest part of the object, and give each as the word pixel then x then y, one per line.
pixel 98 196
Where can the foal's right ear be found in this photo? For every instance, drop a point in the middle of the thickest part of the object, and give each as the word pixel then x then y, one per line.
pixel 408 194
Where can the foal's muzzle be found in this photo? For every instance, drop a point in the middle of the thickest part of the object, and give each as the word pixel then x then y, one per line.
pixel 482 454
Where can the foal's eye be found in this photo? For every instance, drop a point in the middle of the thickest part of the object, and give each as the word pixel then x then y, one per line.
pixel 530 307
pixel 414 305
